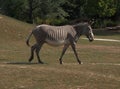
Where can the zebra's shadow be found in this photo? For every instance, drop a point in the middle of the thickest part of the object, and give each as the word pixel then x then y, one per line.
pixel 24 63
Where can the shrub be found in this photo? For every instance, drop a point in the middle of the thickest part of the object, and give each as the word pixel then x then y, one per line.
pixel 51 21
pixel 99 23
pixel 109 23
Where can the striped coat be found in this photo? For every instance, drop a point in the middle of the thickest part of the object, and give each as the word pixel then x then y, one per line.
pixel 59 35
pixel 54 35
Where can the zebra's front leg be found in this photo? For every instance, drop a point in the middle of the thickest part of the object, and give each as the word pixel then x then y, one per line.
pixel 74 49
pixel 63 52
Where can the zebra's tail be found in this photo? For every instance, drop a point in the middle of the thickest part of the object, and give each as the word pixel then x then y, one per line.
pixel 27 41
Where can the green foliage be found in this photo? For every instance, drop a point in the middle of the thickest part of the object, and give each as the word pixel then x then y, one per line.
pixel 51 21
pixel 100 8
pixel 47 11
pixel 107 8
pixel 109 23
pixel 58 22
pixel 30 10
pixel 99 23
pixel 52 9
pixel 91 8
pixel 75 8
pixel 12 7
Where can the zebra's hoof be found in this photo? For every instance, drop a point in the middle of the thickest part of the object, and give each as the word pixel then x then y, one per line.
pixel 61 63
pixel 41 62
pixel 29 61
pixel 81 63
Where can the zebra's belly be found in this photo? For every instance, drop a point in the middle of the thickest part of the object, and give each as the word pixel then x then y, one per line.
pixel 56 42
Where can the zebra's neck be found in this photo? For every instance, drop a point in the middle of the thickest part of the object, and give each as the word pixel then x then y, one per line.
pixel 77 36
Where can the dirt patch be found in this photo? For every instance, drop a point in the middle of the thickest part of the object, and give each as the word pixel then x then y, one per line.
pixel 55 70
pixel 24 76
pixel 1 17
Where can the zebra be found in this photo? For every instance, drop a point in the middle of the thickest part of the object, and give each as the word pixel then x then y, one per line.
pixel 66 35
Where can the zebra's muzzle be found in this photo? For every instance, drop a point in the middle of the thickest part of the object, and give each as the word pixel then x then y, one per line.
pixel 90 37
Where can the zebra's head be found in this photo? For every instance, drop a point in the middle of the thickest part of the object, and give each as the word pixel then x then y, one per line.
pixel 84 29
pixel 89 33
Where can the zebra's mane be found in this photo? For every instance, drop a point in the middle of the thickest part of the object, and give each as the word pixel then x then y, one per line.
pixel 80 24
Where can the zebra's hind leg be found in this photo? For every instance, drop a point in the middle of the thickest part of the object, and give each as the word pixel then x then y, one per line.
pixel 37 52
pixel 63 52
pixel 32 53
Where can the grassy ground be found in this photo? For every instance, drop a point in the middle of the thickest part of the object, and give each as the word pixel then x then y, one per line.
pixel 100 69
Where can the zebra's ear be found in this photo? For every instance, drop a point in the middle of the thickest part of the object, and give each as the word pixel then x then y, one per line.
pixel 91 22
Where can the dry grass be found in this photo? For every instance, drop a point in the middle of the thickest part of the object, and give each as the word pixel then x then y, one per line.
pixel 55 76
pixel 99 71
